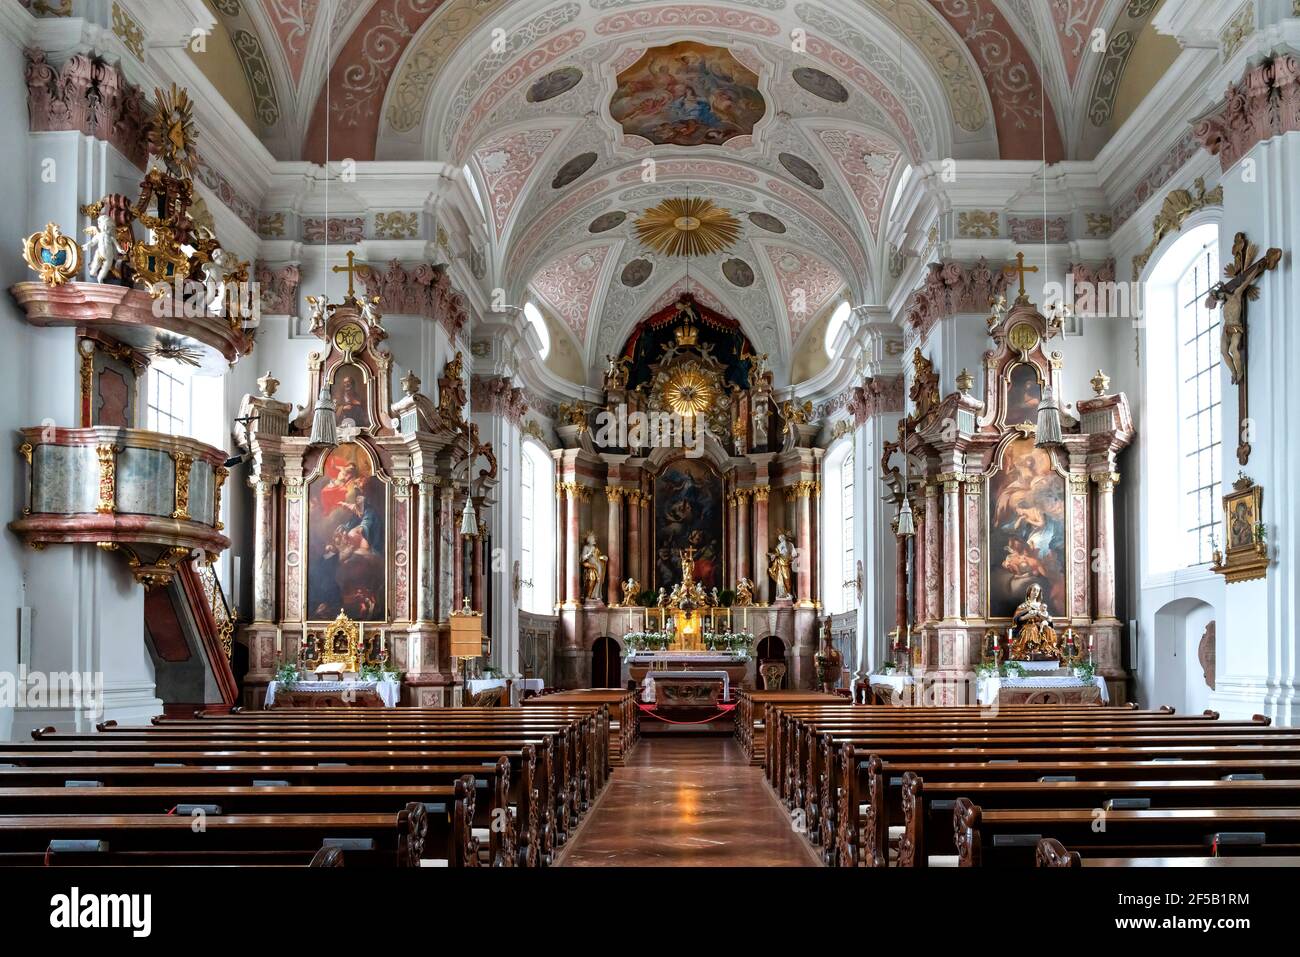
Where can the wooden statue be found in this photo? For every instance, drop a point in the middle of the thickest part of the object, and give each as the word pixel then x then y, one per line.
pixel 744 593
pixel 593 568
pixel 829 661
pixel 1241 285
pixel 1035 638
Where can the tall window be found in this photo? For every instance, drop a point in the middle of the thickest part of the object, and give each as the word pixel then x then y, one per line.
pixel 1199 404
pixel 537 508
pixel 839 561
pixel 1182 405
pixel 168 401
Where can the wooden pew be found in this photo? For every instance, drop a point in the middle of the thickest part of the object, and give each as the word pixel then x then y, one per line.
pixel 1051 853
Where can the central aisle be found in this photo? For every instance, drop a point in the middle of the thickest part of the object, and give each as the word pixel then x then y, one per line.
pixel 688 801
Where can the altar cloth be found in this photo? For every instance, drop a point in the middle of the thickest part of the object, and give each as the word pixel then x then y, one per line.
pixel 987 688
pixel 388 691
pixel 648 695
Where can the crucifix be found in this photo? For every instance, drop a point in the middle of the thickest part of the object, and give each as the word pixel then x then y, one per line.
pixel 352 269
pixel 1240 286
pixel 1020 268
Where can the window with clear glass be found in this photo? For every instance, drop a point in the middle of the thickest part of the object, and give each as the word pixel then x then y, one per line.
pixel 168 401
pixel 1199 406
pixel 537 510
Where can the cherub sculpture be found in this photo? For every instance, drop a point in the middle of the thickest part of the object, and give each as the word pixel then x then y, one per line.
pixel 217 274
pixel 103 251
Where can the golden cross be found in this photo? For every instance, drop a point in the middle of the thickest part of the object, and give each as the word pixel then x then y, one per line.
pixel 1019 267
pixel 352 269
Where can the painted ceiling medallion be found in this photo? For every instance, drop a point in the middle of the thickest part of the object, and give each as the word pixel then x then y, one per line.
pixel 636 272
pixel 607 221
pixel 738 272
pixel 801 170
pixel 687 94
pixel 553 84
pixel 573 169
pixel 688 227
pixel 821 84
pixel 767 221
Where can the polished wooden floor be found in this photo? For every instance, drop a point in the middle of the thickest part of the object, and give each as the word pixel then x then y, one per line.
pixel 687 801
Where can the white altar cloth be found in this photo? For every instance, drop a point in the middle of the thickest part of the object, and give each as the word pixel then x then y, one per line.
pixel 686 657
pixel 388 691
pixel 479 685
pixel 987 688
pixel 648 686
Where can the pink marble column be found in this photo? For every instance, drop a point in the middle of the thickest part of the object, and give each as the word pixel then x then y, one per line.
pixel 573 590
pixel 427 552
pixel 932 568
pixel 733 539
pixel 742 534
pixel 952 578
pixel 1105 482
pixel 614 570
pixel 458 569
pixel 634 537
pixel 803 492
pixel 917 584
pixel 560 551
pixel 446 536
pixel 761 578
pixel 900 583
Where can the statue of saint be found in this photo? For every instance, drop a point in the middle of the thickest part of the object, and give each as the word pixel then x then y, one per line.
pixel 630 589
pixel 593 568
pixel 744 593
pixel 1035 637
pixel 780 563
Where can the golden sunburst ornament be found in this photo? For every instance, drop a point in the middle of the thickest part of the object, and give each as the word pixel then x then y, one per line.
pixel 172 132
pixel 688 227
pixel 690 392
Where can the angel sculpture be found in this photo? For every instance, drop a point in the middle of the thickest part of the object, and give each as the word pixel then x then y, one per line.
pixel 370 311
pixel 217 274
pixel 630 589
pixel 319 305
pixel 103 250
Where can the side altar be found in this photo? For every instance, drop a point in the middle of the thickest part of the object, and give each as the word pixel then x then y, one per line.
pixel 1006 526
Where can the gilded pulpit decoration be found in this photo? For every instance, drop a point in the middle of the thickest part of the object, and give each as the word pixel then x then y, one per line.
pixel 1244 273
pixel 182 462
pixel 107 455
pixel 54 257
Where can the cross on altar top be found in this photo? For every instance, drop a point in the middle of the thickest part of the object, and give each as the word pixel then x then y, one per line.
pixel 1019 268
pixel 352 269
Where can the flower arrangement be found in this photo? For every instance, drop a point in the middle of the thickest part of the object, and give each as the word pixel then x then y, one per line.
pixel 635 641
pixel 287 673
pixel 1085 671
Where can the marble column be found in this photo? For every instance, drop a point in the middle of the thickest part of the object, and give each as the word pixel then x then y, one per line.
pixel 573 588
pixel 1105 549
pixel 264 549
pixel 477 597
pixel 932 581
pixel 761 577
pixel 457 566
pixel 951 547
pixel 634 537
pixel 733 543
pixel 900 583
pixel 742 534
pixel 614 570
pixel 426 606
pixel 803 493
pixel 446 539
pixel 917 585
pixel 561 553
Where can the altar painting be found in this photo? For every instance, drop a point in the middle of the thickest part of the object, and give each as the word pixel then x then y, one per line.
pixel 1024 394
pixel 688 514
pixel 1026 530
pixel 687 94
pixel 345 541
pixel 349 393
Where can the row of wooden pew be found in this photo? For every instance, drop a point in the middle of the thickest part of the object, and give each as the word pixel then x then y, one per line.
pixel 360 787
pixel 916 787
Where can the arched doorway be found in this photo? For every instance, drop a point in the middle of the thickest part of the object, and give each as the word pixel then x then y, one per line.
pixel 771 650
pixel 1184 655
pixel 606 664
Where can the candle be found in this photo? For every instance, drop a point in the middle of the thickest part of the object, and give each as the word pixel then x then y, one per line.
pixel 279 643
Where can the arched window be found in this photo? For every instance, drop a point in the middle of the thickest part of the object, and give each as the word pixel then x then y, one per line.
pixel 1184 404
pixel 534 316
pixel 839 562
pixel 537 508
pixel 838 318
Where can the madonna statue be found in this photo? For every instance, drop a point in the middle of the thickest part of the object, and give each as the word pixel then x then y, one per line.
pixel 1035 638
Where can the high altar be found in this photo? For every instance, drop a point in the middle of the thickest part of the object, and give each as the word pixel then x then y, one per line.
pixel 996 514
pixel 736 488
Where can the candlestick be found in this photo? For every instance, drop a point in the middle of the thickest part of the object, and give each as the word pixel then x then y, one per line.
pixel 279 644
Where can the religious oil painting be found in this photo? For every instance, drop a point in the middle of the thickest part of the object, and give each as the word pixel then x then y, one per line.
pixel 688 514
pixel 349 393
pixel 687 94
pixel 1024 393
pixel 1026 529
pixel 345 558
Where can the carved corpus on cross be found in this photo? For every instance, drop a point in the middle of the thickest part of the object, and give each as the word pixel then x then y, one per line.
pixel 1020 269
pixel 1233 292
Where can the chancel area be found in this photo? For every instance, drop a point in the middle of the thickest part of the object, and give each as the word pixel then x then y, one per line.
pixel 440 430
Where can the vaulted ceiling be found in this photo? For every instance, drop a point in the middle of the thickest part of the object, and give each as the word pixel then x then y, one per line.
pixel 567 116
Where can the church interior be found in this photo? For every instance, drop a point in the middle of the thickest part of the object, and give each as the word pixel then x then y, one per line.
pixel 441 426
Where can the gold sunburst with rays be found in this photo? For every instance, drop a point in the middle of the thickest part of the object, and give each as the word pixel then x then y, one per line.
pixel 172 132
pixel 690 392
pixel 688 227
